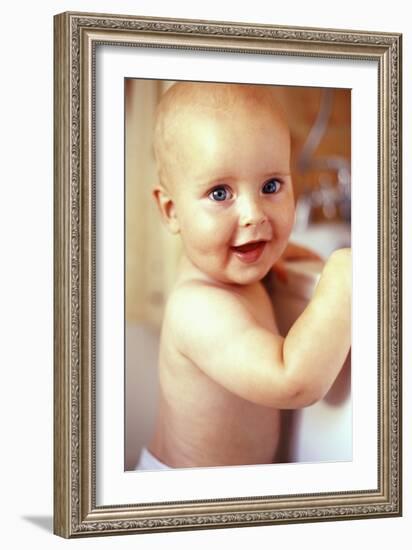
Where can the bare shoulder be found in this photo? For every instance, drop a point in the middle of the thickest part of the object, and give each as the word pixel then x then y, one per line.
pixel 202 309
pixel 189 300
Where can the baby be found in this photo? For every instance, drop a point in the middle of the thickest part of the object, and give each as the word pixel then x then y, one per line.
pixel 225 372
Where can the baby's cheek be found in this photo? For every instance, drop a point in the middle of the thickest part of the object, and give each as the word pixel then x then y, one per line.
pixel 282 225
pixel 202 234
pixel 290 222
pixel 215 228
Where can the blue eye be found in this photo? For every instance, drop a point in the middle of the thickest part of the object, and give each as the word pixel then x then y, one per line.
pixel 220 194
pixel 271 186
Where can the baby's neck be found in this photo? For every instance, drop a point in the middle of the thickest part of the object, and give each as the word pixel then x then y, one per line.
pixel 188 271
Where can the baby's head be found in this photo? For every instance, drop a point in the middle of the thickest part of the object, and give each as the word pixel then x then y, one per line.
pixel 223 156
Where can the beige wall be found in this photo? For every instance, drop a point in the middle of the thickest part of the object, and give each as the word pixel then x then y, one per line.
pixel 151 252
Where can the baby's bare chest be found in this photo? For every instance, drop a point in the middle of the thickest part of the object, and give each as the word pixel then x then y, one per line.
pixel 204 421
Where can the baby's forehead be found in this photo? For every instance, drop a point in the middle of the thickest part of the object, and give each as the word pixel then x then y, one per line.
pixel 188 109
pixel 202 98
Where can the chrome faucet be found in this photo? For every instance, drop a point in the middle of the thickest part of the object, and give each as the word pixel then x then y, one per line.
pixel 331 197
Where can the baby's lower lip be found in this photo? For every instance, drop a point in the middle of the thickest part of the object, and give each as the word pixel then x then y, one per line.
pixel 249 253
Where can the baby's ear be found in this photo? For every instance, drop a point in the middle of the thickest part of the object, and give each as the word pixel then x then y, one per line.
pixel 166 208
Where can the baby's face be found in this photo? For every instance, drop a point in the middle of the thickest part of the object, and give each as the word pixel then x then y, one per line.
pixel 232 192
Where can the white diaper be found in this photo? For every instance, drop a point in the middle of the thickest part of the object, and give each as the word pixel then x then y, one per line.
pixel 148 462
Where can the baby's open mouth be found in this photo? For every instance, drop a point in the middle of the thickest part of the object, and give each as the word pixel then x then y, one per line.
pixel 249 252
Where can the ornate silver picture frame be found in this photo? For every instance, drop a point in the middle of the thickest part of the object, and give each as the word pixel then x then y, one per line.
pixel 80 507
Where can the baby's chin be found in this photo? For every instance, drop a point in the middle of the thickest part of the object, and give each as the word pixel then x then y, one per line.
pixel 243 277
pixel 250 278
pixel 250 274
pixel 233 272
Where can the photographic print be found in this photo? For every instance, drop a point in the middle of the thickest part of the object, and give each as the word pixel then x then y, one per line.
pixel 317 161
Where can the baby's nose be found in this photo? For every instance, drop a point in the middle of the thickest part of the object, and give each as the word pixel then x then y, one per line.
pixel 251 213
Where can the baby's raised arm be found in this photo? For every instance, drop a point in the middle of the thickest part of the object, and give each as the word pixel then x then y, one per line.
pixel 219 334
pixel 317 344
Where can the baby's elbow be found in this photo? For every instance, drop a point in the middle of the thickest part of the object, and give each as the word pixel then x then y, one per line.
pixel 303 394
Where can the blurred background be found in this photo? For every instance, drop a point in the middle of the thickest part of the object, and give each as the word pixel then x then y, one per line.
pixel 320 124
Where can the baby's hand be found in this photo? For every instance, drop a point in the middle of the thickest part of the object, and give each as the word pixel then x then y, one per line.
pixel 292 252
pixel 338 268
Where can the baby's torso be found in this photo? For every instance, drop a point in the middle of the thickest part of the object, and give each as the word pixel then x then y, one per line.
pixel 200 423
